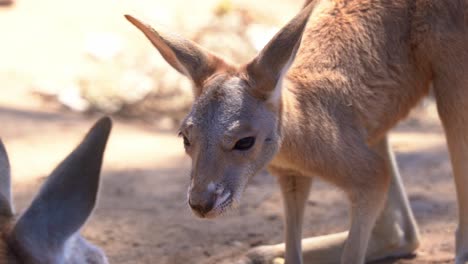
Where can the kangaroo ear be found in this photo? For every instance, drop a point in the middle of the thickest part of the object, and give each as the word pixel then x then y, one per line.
pixel 183 55
pixel 267 69
pixel 6 205
pixel 65 201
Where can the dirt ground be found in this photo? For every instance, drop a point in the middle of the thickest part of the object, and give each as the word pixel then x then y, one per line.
pixel 142 215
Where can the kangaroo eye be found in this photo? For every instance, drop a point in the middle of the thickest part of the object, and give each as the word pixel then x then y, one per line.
pixel 186 142
pixel 245 143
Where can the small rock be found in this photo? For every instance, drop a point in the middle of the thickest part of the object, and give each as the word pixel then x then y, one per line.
pixel 236 243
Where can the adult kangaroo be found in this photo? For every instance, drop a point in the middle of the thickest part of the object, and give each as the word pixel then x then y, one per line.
pixel 319 100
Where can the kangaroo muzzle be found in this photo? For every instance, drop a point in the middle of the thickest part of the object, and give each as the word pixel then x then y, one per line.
pixel 209 202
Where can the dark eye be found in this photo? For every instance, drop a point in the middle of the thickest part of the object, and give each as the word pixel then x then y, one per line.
pixel 245 143
pixel 186 142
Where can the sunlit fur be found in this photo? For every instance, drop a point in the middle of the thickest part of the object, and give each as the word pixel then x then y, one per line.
pixel 214 126
pixel 361 66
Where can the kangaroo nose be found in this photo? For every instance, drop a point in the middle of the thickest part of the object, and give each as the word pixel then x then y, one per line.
pixel 202 204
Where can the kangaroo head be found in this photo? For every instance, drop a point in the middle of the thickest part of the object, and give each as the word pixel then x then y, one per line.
pixel 48 231
pixel 233 130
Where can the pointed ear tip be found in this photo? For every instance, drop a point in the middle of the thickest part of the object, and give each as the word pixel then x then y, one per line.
pixel 133 20
pixel 104 123
pixel 101 128
pixel 128 17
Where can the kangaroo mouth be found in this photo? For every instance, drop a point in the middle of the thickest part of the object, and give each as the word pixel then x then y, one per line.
pixel 224 199
pixel 223 203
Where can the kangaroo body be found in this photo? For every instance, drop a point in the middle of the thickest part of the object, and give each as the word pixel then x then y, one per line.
pixel 373 60
pixel 359 69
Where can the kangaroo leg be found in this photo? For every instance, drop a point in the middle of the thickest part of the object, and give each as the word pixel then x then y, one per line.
pixel 295 191
pixel 395 232
pixel 366 182
pixel 451 91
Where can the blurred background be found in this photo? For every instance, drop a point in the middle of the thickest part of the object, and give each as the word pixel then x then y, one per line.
pixel 65 63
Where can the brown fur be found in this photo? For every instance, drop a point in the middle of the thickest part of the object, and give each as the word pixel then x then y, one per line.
pixel 360 68
pixel 6 255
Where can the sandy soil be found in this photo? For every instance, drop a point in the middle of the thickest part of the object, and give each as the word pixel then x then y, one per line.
pixel 142 216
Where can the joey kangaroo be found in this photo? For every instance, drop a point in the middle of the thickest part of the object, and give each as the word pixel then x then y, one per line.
pixel 319 100
pixel 48 231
